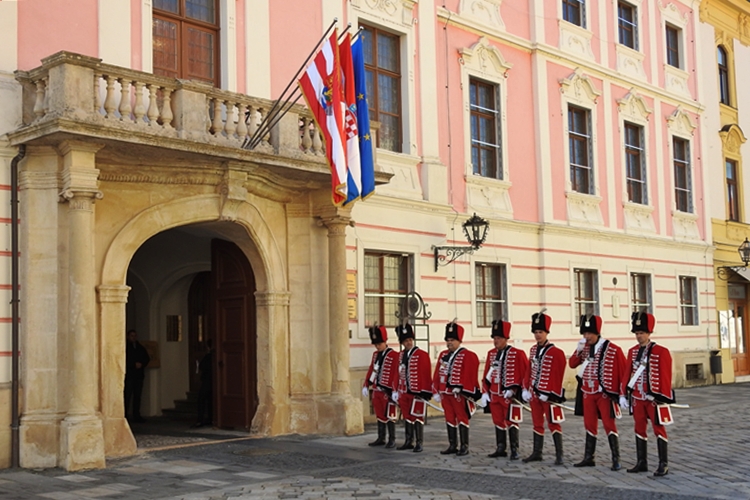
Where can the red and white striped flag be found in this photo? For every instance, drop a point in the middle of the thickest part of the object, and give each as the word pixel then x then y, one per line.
pixel 321 86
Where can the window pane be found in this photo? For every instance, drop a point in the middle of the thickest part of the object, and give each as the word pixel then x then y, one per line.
pixel 388 94
pixel 367 46
pixel 200 54
pixel 165 47
pixel 388 52
pixel 202 10
pixel 390 131
pixel 168 5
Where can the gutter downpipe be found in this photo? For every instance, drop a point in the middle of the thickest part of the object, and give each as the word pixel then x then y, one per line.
pixel 15 393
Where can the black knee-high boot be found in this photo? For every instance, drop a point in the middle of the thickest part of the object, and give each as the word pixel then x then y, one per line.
pixel 663 469
pixel 513 440
pixel 641 456
pixel 536 455
pixel 391 435
pixel 418 436
pixel 380 441
pixel 557 438
pixel 409 441
pixel 452 441
pixel 463 432
pixel 588 454
pixel 614 446
pixel 500 442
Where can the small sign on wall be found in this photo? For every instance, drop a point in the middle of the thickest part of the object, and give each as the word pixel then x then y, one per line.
pixel 351 306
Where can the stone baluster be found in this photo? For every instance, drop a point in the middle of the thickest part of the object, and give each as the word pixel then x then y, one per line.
pixel 97 94
pixel 252 121
pixel 216 124
pixel 306 140
pixel 241 123
pixel 153 107
pixel 140 109
pixel 125 107
pixel 40 98
pixel 109 101
pixel 46 95
pixel 317 141
pixel 230 126
pixel 166 108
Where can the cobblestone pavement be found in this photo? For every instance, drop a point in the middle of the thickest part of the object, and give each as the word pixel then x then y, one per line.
pixel 709 449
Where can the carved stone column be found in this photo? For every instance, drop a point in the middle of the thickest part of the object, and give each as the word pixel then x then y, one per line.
pixel 118 438
pixel 347 412
pixel 81 433
pixel 273 414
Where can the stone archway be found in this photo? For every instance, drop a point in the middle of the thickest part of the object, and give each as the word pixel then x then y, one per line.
pixel 263 251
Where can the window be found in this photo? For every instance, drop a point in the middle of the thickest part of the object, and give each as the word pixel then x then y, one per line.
pixel 627 24
pixel 186 39
pixel 485 137
pixel 387 281
pixel 491 293
pixel 673 46
pixel 688 300
pixel 723 76
pixel 634 165
pixel 383 71
pixel 573 12
pixel 733 198
pixel 586 293
pixel 579 142
pixel 682 180
pixel 640 288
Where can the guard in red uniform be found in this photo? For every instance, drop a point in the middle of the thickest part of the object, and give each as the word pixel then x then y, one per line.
pixel 543 388
pixel 650 387
pixel 414 388
pixel 504 374
pixel 382 378
pixel 455 384
pixel 602 378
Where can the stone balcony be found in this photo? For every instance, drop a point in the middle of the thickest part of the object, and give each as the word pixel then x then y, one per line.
pixel 139 116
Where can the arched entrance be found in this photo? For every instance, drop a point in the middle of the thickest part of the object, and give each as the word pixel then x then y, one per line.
pixel 191 288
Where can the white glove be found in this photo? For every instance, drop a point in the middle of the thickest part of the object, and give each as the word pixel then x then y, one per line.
pixel 581 345
pixel 436 397
pixel 484 401
pixel 508 393
pixel 543 398
pixel 624 403
pixel 526 395
pixel 365 392
pixel 456 391
pixel 649 397
pixel 395 396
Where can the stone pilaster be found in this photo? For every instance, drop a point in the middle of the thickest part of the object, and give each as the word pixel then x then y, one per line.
pixel 81 433
pixel 274 411
pixel 118 439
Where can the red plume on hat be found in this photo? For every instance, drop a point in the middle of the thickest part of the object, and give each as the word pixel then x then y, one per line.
pixel 500 328
pixel 591 323
pixel 454 331
pixel 540 321
pixel 378 334
pixel 642 322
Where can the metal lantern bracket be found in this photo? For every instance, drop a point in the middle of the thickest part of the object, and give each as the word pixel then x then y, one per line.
pixel 744 250
pixel 475 231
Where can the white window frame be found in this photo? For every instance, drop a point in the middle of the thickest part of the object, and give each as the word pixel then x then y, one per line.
pixel 635 5
pixel 649 292
pixel 481 332
pixel 697 297
pixel 575 317
pixel 503 286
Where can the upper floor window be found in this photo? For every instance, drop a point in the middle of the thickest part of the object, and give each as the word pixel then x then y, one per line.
pixel 579 143
pixel 485 137
pixel 383 68
pixel 491 293
pixel 673 45
pixel 682 177
pixel 635 171
pixel 627 25
pixel 640 289
pixel 688 300
pixel 586 299
pixel 723 76
pixel 186 39
pixel 733 195
pixel 573 12
pixel 387 281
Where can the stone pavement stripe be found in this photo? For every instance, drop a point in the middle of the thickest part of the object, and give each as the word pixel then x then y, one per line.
pixel 208 482
pixel 256 475
pixel 60 495
pixel 76 478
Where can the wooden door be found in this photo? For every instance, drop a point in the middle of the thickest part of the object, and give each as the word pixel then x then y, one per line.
pixel 234 323
pixel 199 305
pixel 738 338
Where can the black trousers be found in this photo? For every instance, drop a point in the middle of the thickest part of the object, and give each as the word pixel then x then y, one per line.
pixel 133 391
pixel 205 403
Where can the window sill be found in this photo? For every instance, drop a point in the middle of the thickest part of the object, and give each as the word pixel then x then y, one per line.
pixel 575 40
pixel 584 209
pixel 405 182
pixel 638 218
pixel 676 80
pixel 630 62
pixel 685 225
pixel 489 194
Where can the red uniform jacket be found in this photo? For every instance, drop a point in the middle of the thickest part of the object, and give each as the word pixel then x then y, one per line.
pixel 606 370
pixel 383 372
pixel 656 379
pixel 506 371
pixel 415 373
pixel 458 369
pixel 547 372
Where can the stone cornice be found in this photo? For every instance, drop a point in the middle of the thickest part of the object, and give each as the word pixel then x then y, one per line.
pixel 729 16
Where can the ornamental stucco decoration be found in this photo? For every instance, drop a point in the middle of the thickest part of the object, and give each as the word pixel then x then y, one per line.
pixel 484 12
pixel 483 57
pixel 634 106
pixel 579 86
pixel 679 121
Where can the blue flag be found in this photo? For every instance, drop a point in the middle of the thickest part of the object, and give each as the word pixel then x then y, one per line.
pixel 363 120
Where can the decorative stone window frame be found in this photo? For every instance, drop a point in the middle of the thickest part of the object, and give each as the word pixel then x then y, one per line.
pixel 633 109
pixel 687 274
pixel 578 90
pixel 732 139
pixel 485 62
pixel 675 79
pixel 728 111
pixel 684 224
pixel 397 17
pixel 573 39
pixel 585 266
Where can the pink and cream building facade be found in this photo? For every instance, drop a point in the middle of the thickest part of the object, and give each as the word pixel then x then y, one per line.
pixel 575 128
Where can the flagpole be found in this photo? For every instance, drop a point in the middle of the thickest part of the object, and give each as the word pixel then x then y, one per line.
pixel 291 82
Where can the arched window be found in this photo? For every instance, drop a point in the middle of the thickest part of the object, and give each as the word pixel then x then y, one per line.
pixel 721 56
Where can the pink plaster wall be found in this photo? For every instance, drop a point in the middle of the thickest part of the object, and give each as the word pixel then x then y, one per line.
pixel 52 25
pixel 517 18
pixel 136 35
pixel 241 46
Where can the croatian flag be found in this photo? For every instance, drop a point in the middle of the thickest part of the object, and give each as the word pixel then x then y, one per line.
pixel 321 86
pixel 354 175
pixel 367 163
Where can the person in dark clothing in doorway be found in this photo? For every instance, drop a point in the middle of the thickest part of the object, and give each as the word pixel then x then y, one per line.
pixel 136 360
pixel 206 392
